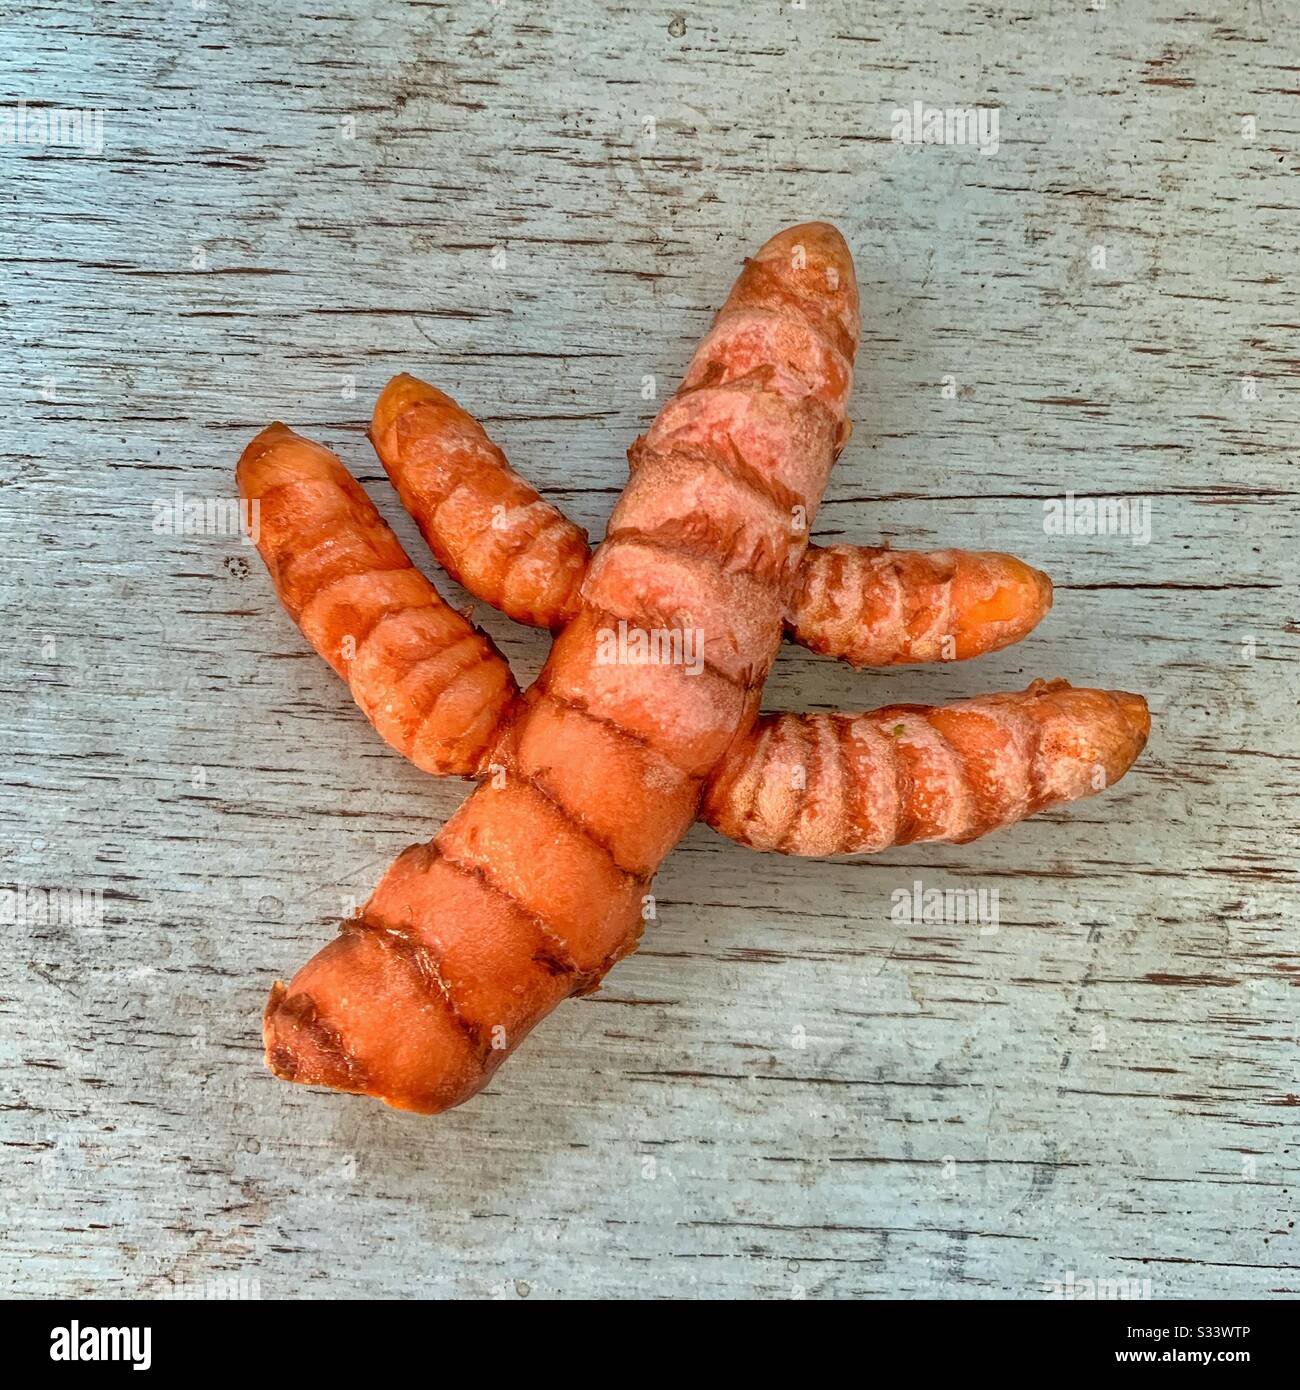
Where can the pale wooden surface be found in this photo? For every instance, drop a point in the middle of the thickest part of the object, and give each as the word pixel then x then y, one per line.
pixel 949 1127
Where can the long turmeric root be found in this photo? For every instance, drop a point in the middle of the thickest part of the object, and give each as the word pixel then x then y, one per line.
pixel 493 533
pixel 825 784
pixel 432 685
pixel 533 889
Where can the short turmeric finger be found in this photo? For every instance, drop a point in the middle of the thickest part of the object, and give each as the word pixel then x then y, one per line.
pixel 829 784
pixel 433 686
pixel 879 607
pixel 487 527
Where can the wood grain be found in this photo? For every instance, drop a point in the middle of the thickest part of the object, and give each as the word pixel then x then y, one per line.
pixel 785 1093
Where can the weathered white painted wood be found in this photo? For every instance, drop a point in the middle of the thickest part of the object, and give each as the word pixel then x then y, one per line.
pixel 1106 1085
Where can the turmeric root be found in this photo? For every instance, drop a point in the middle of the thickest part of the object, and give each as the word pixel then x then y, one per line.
pixel 527 895
pixel 493 533
pixel 432 685
pixel 876 607
pixel 824 784
pixel 487 528
pixel 538 884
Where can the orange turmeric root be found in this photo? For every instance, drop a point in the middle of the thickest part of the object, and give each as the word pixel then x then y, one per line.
pixel 825 784
pixel 432 685
pixel 878 607
pixel 539 883
pixel 494 534
pixel 487 528
pixel 533 889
